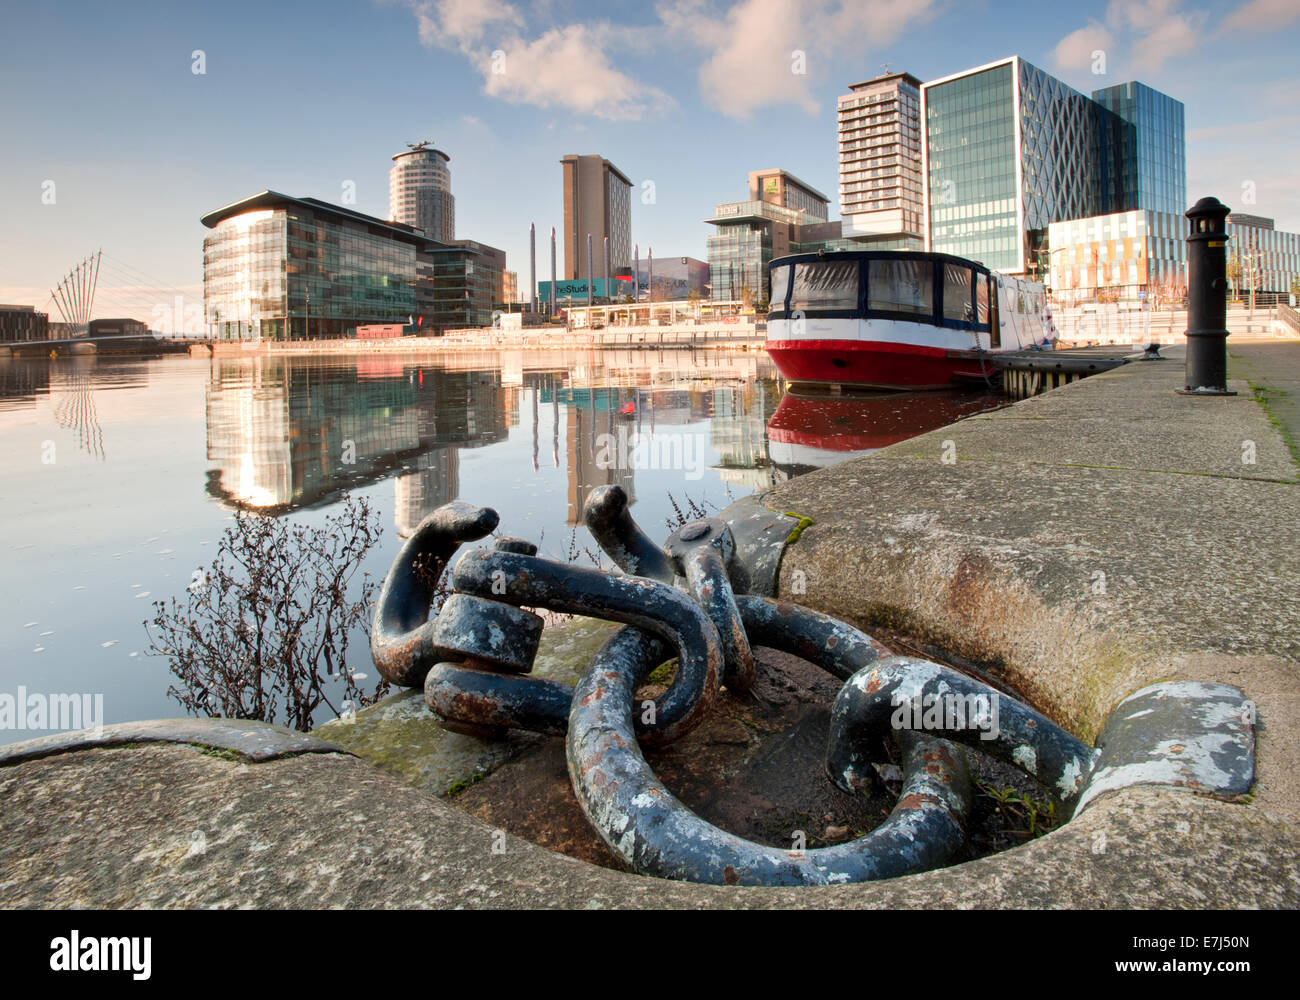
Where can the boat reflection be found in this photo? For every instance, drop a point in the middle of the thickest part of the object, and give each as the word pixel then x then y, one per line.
pixel 810 430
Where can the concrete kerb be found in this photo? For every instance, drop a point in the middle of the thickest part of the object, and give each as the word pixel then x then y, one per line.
pixel 967 556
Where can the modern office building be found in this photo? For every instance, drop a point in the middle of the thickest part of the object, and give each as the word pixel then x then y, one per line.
pixel 1261 257
pixel 1122 255
pixel 458 285
pixel 675 278
pixel 23 323
pixel 881 189
pixel 419 192
pixel 1152 166
pixel 783 216
pixel 1008 150
pixel 780 187
pixel 277 267
pixel 597 202
pixel 1142 255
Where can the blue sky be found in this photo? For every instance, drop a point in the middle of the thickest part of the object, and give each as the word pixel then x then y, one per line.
pixel 691 95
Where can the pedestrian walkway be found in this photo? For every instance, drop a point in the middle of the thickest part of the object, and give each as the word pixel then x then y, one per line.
pixel 1273 370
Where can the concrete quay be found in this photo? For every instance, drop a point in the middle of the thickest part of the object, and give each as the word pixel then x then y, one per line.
pixel 1077 546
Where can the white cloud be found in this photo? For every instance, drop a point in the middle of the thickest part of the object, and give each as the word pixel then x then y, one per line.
pixel 569 68
pixel 1075 50
pixel 566 67
pixel 1160 30
pixel 756 47
pixel 1263 15
pixel 1140 35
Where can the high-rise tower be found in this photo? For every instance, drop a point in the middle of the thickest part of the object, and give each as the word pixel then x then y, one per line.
pixel 597 203
pixel 419 191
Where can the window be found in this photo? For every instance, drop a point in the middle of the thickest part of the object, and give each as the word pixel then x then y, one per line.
pixel 904 286
pixel 825 285
pixel 957 293
pixel 780 285
pixel 981 299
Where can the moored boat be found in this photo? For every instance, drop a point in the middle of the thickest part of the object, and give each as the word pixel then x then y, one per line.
pixel 895 319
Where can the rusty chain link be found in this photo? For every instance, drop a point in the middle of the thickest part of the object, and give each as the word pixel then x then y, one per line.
pixel 474 660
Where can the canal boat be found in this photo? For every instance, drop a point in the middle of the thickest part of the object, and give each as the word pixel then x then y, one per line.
pixel 896 319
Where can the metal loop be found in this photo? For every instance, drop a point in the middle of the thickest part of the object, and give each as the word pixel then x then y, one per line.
pixel 607 517
pixel 967 711
pixel 700 552
pixel 641 821
pixel 401 637
pixel 655 608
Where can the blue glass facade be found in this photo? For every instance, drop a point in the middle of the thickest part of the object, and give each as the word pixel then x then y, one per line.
pixel 1010 150
pixel 1155 165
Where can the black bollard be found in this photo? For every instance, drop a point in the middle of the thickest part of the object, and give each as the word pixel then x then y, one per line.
pixel 1207 300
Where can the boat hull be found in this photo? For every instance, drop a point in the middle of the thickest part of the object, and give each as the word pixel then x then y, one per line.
pixel 877 364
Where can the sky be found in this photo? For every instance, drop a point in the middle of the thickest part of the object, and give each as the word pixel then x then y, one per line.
pixel 113 139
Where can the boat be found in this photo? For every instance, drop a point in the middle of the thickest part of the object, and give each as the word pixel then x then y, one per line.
pixel 898 319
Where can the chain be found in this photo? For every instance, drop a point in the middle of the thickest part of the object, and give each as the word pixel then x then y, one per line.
pixel 474 659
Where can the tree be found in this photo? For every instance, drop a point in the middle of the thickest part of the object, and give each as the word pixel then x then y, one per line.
pixel 265 629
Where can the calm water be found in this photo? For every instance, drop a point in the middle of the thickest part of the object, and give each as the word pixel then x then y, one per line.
pixel 118 476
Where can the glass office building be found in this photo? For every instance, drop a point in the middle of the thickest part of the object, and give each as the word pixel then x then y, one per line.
pixel 1009 150
pixel 1153 163
pixel 282 268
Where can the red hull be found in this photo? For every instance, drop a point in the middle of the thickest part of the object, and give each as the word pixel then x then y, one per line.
pixel 876 364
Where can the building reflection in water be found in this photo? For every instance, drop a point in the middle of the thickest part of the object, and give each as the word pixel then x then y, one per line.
pixel 285 433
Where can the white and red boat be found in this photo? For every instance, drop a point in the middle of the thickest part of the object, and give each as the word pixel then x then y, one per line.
pixel 897 319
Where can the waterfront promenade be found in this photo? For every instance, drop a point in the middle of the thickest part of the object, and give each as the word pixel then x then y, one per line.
pixel 1077 545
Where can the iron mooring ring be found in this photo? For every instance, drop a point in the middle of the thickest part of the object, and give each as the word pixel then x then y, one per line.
pixel 666 621
pixel 966 710
pixel 402 636
pixel 646 825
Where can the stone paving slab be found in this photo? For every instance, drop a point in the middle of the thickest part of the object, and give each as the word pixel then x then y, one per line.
pixel 168 826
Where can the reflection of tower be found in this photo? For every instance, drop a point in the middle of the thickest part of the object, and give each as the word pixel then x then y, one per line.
pixel 594 455
pixel 434 482
pixel 738 432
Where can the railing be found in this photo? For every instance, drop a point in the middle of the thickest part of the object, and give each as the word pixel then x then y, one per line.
pixel 1289 316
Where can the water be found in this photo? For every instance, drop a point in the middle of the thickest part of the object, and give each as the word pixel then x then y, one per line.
pixel 117 476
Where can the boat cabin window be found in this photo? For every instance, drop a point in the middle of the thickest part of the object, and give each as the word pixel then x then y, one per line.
pixel 981 298
pixel 901 286
pixel 780 285
pixel 830 284
pixel 957 300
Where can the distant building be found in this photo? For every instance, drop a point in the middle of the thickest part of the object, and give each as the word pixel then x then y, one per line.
pixel 459 285
pixel 277 267
pixel 1260 256
pixel 674 278
pixel 1009 149
pixel 597 202
pixel 419 192
pixel 783 216
pixel 1123 255
pixel 23 323
pixel 509 288
pixel 780 187
pixel 882 198
pixel 117 328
